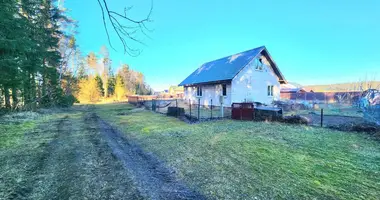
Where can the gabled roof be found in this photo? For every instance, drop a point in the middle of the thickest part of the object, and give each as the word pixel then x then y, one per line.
pixel 225 69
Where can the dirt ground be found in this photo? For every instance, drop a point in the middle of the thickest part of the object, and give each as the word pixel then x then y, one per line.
pixel 80 156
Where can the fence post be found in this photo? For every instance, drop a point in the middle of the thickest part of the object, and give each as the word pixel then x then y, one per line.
pixel 199 106
pixel 176 106
pixel 211 108
pixel 241 111
pixel 322 117
pixel 190 108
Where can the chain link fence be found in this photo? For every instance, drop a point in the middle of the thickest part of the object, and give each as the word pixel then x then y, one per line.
pixel 331 114
pixel 190 110
pixel 372 114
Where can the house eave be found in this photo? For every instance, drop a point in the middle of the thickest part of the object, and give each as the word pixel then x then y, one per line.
pixel 207 83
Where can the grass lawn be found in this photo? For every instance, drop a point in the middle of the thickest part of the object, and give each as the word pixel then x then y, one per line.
pixel 59 155
pixel 13 127
pixel 242 160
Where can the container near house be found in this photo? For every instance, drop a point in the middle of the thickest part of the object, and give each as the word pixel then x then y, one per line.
pixel 242 111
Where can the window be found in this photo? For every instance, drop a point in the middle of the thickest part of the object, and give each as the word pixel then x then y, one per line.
pixel 199 91
pixel 258 64
pixel 224 89
pixel 270 90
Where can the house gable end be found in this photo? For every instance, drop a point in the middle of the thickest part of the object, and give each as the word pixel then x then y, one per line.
pixel 271 65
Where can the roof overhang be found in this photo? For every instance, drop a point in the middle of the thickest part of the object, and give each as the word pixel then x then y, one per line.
pixel 207 83
pixel 275 68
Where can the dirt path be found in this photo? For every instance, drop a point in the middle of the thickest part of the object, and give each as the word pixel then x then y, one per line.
pixel 153 178
pixel 82 157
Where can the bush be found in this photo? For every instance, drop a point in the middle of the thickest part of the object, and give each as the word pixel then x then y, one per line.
pixel 67 101
pixel 175 111
pixel 295 119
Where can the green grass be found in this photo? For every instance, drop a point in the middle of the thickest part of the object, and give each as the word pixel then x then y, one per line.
pixel 15 126
pixel 13 132
pixel 242 160
pixel 59 155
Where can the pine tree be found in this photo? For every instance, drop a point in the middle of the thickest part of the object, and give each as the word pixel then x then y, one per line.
pixel 120 91
pixel 29 56
pixel 99 84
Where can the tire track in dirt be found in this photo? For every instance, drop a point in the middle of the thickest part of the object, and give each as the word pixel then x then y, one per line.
pixel 36 165
pixel 153 178
pixel 53 171
pixel 72 161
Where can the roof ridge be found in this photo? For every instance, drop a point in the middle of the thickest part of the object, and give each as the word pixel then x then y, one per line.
pixel 224 68
pixel 232 55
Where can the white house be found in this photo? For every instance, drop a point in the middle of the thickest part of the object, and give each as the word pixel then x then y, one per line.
pixel 249 76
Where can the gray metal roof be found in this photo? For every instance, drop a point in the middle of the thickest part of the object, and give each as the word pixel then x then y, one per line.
pixel 226 68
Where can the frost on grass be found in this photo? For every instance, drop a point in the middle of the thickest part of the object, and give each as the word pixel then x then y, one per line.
pixel 20 117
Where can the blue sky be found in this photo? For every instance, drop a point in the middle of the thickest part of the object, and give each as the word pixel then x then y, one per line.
pixel 312 42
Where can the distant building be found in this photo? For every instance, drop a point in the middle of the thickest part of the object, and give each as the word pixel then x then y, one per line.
pixel 176 91
pixel 291 88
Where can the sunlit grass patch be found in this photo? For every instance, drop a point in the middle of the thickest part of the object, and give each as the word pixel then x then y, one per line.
pixel 15 126
pixel 234 159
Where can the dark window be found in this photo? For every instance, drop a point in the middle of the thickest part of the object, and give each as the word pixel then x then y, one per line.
pixel 224 86
pixel 199 91
pixel 270 90
pixel 258 64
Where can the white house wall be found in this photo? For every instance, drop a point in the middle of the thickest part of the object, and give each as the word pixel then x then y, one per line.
pixel 209 92
pixel 250 85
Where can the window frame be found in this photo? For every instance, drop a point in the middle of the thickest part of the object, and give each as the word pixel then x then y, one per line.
pixel 259 65
pixel 224 90
pixel 199 91
pixel 270 90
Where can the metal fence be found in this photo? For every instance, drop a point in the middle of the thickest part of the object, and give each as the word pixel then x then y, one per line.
pixel 182 108
pixel 323 97
pixel 372 114
pixel 333 113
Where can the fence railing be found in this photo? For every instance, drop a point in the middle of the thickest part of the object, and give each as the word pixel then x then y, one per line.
pixel 372 114
pixel 188 109
pixel 336 113
pixel 323 97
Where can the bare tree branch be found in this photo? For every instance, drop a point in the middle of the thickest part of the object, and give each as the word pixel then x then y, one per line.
pixel 105 25
pixel 124 32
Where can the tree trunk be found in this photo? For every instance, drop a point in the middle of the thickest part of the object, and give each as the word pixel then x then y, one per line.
pixel 43 79
pixel 105 86
pixel 27 91
pixel 14 98
pixel 7 98
pixel 33 91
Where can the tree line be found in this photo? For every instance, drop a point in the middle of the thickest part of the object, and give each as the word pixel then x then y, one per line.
pixel 97 80
pixel 42 66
